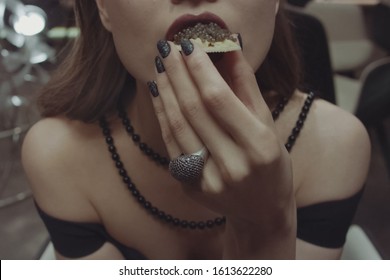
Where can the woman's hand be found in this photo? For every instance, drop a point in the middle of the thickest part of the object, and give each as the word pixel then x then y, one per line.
pixel 247 176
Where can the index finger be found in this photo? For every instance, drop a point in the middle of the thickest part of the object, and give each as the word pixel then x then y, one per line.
pixel 219 97
pixel 242 80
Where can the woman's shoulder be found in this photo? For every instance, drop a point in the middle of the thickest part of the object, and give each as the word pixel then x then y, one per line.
pixel 63 126
pixel 336 123
pixel 54 155
pixel 58 138
pixel 335 153
pixel 339 130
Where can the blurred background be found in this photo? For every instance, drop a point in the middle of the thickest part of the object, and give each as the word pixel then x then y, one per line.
pixel 345 45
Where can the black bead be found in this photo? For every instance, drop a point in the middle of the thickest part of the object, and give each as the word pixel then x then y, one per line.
pixel 129 129
pixel 168 218
pixel 161 215
pixel 136 138
pixel 119 164
pixel 299 123
pixel 135 193
pixel 126 179
pixel 125 121
pixel 184 224
pixel 131 186
pixel 176 222
pixel 154 210
pixel 112 149
pixel 210 223
pixel 141 199
pixel 109 140
pixel 192 225
pixel 296 130
pixel 147 205
pixel 302 115
pixel 306 108
pixel 115 156
pixel 148 151
pixel 288 146
pixel 279 107
pixel 106 132
pixel 122 172
pixel 164 161
pixel 292 138
pixel 201 225
pixel 219 221
pixel 156 157
pixel 143 146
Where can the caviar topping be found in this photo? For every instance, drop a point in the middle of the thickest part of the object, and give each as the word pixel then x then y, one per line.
pixel 210 32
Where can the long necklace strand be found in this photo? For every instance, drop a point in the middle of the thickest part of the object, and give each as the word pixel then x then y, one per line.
pixel 147 205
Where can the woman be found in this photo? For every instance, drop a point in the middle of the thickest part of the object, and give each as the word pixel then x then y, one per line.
pixel 244 199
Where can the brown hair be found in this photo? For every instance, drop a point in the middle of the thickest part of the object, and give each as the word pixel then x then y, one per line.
pixel 79 89
pixel 281 70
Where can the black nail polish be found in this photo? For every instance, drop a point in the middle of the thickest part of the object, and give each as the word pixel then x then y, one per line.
pixel 153 88
pixel 187 47
pixel 164 48
pixel 240 41
pixel 159 65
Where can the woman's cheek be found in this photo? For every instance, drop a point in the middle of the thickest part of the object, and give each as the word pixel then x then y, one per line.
pixel 137 55
pixel 257 43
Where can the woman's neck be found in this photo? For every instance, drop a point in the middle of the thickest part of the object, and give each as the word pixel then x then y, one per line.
pixel 143 118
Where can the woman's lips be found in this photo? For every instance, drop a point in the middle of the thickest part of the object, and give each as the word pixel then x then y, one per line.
pixel 189 20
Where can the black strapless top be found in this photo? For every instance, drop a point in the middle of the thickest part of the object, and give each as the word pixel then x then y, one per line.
pixel 324 224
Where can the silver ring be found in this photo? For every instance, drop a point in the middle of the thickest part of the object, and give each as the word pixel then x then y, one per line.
pixel 188 168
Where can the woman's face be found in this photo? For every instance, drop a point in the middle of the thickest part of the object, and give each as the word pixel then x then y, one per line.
pixel 137 25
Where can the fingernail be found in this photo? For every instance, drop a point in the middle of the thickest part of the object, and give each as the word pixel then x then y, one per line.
pixel 187 47
pixel 159 65
pixel 153 88
pixel 164 48
pixel 240 41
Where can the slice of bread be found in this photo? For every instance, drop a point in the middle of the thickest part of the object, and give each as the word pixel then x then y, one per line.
pixel 226 45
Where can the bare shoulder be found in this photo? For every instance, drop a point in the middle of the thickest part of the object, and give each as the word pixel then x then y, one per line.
pixel 335 154
pixel 54 159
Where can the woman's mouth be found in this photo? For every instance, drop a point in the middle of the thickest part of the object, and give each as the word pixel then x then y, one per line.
pixel 207 30
pixel 187 21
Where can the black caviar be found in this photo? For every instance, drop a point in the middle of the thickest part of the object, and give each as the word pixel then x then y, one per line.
pixel 209 32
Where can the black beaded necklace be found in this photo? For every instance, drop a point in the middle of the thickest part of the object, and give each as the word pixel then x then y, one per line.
pixel 148 151
pixel 137 140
